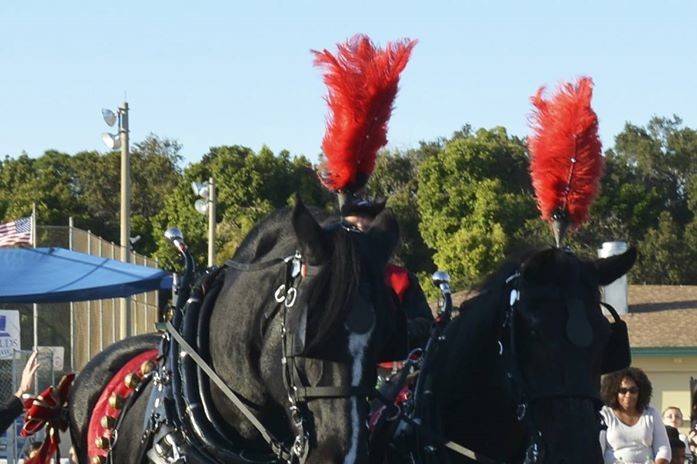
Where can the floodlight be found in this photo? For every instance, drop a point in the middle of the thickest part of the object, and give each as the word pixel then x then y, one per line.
pixel 200 189
pixel 112 141
pixel 109 117
pixel 201 206
pixel 196 187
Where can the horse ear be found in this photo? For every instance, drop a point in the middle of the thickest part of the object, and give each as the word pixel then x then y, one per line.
pixel 309 233
pixel 384 233
pixel 610 269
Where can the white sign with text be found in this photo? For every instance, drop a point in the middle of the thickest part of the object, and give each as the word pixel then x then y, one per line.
pixel 9 333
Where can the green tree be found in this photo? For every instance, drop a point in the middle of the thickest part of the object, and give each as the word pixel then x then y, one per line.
pixel 155 172
pixel 47 181
pixel 395 178
pixel 249 186
pixel 664 257
pixel 473 195
pixel 663 156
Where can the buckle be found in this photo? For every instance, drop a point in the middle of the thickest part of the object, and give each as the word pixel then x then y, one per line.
pixel 520 411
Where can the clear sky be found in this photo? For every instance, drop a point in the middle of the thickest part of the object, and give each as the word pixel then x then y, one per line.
pixel 212 73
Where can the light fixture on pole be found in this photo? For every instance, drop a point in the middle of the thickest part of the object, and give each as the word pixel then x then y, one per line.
pixel 206 204
pixel 115 142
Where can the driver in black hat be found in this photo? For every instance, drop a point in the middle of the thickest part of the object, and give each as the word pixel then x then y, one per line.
pixel 358 213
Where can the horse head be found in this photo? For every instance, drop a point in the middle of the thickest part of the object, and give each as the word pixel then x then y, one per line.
pixel 335 330
pixel 555 349
pixel 347 324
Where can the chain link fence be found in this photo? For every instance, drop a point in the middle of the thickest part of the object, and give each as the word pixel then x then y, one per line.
pixel 12 446
pixel 83 329
pixel 96 323
pixel 68 334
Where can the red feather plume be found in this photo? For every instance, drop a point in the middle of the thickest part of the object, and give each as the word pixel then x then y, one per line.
pixel 565 152
pixel 362 82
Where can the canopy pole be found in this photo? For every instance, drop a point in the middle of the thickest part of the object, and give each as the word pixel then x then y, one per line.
pixel 89 304
pixel 72 305
pixel 34 306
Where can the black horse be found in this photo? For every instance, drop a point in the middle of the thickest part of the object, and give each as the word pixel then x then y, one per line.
pixel 348 327
pixel 517 377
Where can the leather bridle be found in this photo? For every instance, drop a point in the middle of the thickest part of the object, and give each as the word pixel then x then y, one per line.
pixel 523 396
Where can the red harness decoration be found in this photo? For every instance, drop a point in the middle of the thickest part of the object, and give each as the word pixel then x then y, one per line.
pixel 397 278
pixel 47 410
pixel 108 407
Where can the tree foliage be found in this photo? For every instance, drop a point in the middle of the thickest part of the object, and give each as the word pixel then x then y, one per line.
pixel 249 186
pixel 463 203
pixel 395 179
pixel 473 195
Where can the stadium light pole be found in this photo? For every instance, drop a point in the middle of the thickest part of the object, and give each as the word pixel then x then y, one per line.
pixel 116 141
pixel 206 204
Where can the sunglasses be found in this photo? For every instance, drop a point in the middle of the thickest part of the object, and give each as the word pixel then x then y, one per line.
pixel 632 390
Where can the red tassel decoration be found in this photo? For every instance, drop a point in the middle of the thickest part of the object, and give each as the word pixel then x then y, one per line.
pixel 363 82
pixel 565 153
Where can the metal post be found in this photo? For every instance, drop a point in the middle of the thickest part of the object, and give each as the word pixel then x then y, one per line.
pixel 113 304
pixel 211 222
pixel 135 302
pixel 89 304
pixel 146 262
pixel 35 307
pixel 12 433
pixel 125 322
pixel 72 305
pixel 101 310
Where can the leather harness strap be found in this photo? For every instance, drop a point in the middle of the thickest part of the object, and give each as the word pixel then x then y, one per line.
pixel 297 394
pixel 274 443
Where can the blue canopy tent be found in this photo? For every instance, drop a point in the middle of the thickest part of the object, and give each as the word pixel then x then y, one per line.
pixel 52 275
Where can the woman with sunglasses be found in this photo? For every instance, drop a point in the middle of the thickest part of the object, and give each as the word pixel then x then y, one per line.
pixel 635 432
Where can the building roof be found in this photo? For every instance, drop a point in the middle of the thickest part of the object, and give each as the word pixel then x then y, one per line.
pixel 660 316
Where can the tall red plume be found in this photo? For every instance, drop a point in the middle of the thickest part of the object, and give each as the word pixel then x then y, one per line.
pixel 362 82
pixel 565 151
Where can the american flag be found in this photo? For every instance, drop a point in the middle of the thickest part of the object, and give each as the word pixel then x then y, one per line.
pixel 16 232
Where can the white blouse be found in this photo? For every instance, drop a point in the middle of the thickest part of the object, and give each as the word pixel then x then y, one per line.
pixel 640 443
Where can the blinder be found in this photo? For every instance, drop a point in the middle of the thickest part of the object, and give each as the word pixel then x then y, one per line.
pixel 578 329
pixel 572 374
pixel 578 332
pixel 617 354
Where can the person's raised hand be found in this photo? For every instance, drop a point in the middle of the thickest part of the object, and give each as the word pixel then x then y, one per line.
pixel 28 375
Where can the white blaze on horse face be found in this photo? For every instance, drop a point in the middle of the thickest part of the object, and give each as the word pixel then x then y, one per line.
pixel 358 344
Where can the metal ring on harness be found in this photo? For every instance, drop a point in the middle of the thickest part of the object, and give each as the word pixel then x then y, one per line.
pixel 290 297
pixel 280 294
pixel 520 411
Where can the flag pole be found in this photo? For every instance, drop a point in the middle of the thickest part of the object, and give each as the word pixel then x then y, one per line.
pixel 35 307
